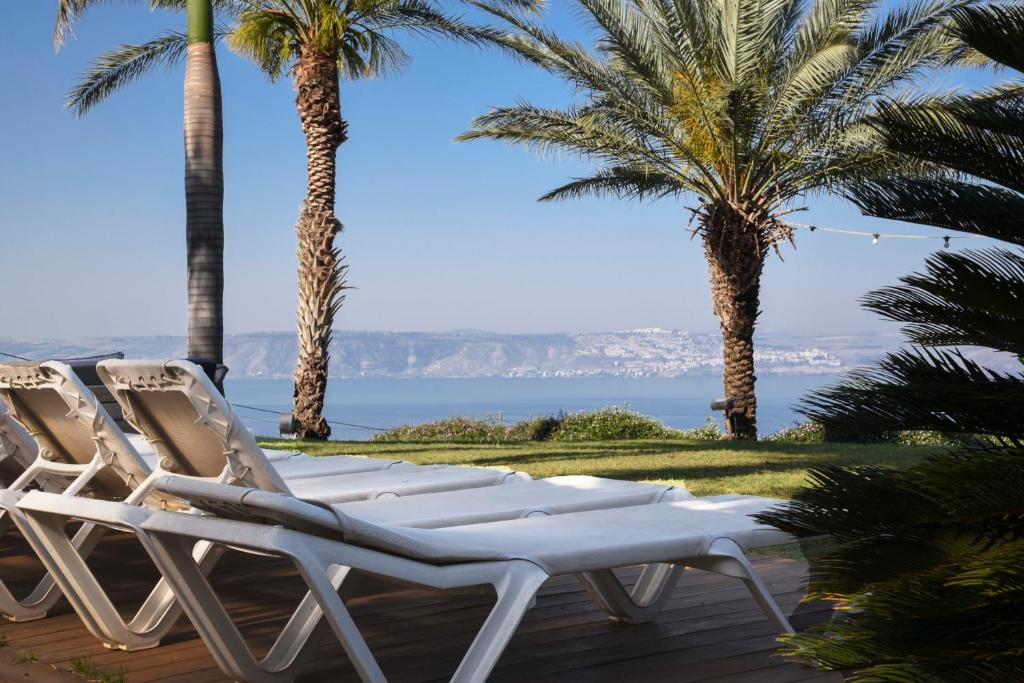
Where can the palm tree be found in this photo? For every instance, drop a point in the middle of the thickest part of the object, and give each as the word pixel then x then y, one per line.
pixel 927 563
pixel 746 105
pixel 318 43
pixel 204 170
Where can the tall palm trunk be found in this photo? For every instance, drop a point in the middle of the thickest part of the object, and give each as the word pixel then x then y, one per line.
pixel 321 271
pixel 204 188
pixel 736 252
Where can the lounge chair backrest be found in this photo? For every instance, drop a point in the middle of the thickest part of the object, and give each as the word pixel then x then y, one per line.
pixel 191 426
pixel 68 424
pixel 17 450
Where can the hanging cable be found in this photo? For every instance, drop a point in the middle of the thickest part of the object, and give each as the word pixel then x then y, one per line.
pixel 330 422
pixel 878 236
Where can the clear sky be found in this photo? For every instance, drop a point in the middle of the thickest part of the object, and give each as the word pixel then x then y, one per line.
pixel 438 235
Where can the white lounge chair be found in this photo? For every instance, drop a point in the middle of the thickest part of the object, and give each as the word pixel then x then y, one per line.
pixel 514 557
pixel 70 458
pixel 140 387
pixel 81 450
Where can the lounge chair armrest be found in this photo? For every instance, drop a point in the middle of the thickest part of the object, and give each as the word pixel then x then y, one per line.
pixel 108 513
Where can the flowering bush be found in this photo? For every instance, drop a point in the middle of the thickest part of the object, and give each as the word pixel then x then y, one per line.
pixel 608 424
pixel 455 429
pixel 709 431
pixel 803 432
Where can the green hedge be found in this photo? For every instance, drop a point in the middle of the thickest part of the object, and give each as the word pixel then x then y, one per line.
pixel 608 424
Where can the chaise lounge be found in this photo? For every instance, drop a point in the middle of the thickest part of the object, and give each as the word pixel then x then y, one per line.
pixel 82 452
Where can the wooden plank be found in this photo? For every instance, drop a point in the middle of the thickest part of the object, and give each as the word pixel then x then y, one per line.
pixel 711 629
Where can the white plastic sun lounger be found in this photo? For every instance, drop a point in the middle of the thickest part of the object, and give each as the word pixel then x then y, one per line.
pixel 58 414
pixel 139 386
pixel 83 450
pixel 514 557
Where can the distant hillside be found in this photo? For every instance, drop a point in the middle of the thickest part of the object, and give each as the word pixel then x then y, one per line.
pixel 634 353
pixel 639 353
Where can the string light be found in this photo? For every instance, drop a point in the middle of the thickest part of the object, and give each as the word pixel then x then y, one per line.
pixel 877 236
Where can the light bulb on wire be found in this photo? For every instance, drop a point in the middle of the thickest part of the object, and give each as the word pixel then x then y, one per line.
pixel 875 237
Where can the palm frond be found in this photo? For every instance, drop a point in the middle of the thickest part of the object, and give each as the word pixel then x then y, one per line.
pixel 973 298
pixel 955 205
pixel 267 38
pixel 921 389
pixel 68 12
pixel 982 137
pixel 994 30
pixel 621 182
pixel 115 69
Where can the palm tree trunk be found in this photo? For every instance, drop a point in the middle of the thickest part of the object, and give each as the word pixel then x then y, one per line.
pixel 204 189
pixel 736 253
pixel 321 270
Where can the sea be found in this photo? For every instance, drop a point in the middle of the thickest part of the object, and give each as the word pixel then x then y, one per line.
pixel 360 408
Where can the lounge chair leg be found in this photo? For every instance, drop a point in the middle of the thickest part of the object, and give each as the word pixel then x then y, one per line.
pixel 174 557
pixel 323 587
pixel 516 591
pixel 300 638
pixel 65 561
pixel 727 558
pixel 643 603
pixel 161 610
pixel 34 606
pixel 306 628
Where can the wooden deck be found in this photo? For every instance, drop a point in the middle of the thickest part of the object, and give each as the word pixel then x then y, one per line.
pixel 711 630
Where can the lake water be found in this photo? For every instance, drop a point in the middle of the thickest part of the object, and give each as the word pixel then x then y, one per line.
pixel 678 402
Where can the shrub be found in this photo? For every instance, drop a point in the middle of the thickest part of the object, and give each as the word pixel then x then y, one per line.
pixel 802 432
pixel 709 431
pixel 813 431
pixel 610 424
pixel 926 438
pixel 534 429
pixel 455 429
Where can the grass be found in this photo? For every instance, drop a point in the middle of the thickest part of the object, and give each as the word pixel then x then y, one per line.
pixel 84 668
pixel 775 469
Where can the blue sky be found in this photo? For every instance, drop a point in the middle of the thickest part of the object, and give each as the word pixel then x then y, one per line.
pixel 438 235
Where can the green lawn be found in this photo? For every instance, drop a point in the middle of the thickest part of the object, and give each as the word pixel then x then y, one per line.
pixel 772 469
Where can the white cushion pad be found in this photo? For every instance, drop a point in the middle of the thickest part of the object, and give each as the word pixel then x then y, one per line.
pixel 554 496
pixel 397 481
pixel 305 466
pixel 584 541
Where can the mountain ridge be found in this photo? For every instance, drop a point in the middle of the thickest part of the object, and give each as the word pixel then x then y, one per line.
pixel 645 352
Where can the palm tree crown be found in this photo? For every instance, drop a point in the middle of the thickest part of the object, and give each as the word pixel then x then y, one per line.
pixel 751 102
pixel 746 104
